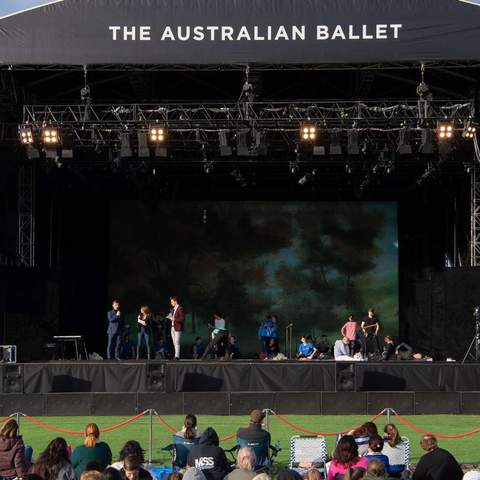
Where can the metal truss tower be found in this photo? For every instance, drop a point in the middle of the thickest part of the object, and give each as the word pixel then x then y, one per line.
pixel 26 215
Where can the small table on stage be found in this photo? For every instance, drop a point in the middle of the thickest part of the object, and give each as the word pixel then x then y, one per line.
pixel 78 341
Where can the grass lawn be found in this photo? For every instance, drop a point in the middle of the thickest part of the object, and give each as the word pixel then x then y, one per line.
pixel 466 450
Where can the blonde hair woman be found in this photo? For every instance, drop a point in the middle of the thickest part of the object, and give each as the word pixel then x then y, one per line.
pixel 92 450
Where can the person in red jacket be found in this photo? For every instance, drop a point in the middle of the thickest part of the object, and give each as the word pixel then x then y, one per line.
pixel 12 452
pixel 177 317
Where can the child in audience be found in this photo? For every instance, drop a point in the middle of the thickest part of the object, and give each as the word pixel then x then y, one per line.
pixel 375 447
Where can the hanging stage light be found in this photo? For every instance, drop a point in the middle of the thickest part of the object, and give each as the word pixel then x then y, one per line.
pixel 445 131
pixel 469 131
pixel 426 145
pixel 26 135
pixel 335 145
pixel 143 150
pixel 156 134
pixel 352 146
pixel 225 149
pixel 125 148
pixel 404 146
pixel 50 136
pixel 308 133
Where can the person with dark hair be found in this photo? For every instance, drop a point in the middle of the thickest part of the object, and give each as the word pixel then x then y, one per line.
pixel 177 318
pixel 375 447
pixel 388 349
pixel 394 449
pixel 232 348
pixel 175 476
pixel 218 337
pixel 127 349
pixel 133 470
pixel 437 463
pixel 254 432
pixel 289 474
pixel 189 429
pixel 376 471
pixel 132 447
pixel 198 348
pixel 112 473
pixel 93 466
pixel 306 349
pixel 54 462
pixel 208 457
pixel 114 330
pixel 370 327
pixel 92 450
pixel 362 435
pixel 350 330
pixel 12 452
pixel 346 456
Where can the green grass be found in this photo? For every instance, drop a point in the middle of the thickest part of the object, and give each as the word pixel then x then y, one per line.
pixel 466 450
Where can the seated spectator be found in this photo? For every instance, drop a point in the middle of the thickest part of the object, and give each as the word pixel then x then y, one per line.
pixel 341 350
pixel 54 462
pixel 91 450
pixel 93 465
pixel 273 348
pixel 345 456
pixel 208 457
pixel 133 470
pixel 389 349
pixel 306 349
pixel 437 463
pixel 12 452
pixel 312 474
pixel 189 429
pixel 404 351
pixel 112 473
pixel 198 348
pixel 245 468
pixel 288 474
pixel 232 348
pixel 350 330
pixel 394 449
pixel 376 470
pixel 254 431
pixel 374 452
pixel 362 436
pixel 132 447
pixel 175 476
pixel 192 473
pixel 127 349
pixel 352 474
pixel 263 476
pixel 92 475
pixel 324 347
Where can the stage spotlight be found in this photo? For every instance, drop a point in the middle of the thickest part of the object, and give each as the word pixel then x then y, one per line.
pixel 404 146
pixel 445 131
pixel 352 145
pixel 308 133
pixel 50 136
pixel 242 146
pixel 426 144
pixel 225 149
pixel 143 150
pixel 125 148
pixel 32 152
pixel 335 146
pixel 469 131
pixel 26 135
pixel 157 134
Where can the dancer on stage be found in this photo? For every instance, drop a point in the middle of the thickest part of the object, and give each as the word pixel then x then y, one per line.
pixel 177 317
pixel 144 320
pixel 114 330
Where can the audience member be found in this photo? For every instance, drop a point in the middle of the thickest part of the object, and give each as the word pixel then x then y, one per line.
pixel 263 476
pixel 132 447
pixel 352 474
pixel 54 462
pixel 111 473
pixel 312 474
pixel 388 349
pixel 189 429
pixel 209 457
pixel 394 449
pixel 287 474
pixel 306 349
pixel 346 456
pixel 437 463
pixel 362 436
pixel 192 473
pixel 92 475
pixel 93 465
pixel 91 450
pixel 133 470
pixel 175 476
pixel 245 468
pixel 254 431
pixel 374 452
pixel 376 470
pixel 12 452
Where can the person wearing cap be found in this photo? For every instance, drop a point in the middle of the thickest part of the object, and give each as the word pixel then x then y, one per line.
pixel 254 432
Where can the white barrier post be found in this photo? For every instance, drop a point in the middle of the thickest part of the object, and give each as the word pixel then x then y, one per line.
pixel 150 435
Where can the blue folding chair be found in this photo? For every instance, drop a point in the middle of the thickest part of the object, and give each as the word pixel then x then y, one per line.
pixel 264 452
pixel 179 449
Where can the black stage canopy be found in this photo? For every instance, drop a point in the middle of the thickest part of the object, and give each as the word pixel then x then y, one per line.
pixel 78 32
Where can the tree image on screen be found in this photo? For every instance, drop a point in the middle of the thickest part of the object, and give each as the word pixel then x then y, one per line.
pixel 309 263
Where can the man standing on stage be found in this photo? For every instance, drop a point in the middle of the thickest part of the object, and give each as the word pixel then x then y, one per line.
pixel 177 317
pixel 114 330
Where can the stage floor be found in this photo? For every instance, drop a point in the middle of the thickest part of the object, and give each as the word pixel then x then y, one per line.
pixel 237 387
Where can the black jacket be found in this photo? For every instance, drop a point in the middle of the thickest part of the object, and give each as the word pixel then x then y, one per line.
pixel 253 433
pixel 208 457
pixel 438 465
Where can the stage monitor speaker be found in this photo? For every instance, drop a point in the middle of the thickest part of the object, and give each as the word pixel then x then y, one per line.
pixel 345 377
pixel 155 377
pixel 12 379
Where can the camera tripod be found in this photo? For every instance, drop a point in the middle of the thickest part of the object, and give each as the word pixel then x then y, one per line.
pixel 474 348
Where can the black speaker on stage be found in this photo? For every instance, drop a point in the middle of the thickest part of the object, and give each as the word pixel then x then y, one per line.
pixel 156 377
pixel 12 379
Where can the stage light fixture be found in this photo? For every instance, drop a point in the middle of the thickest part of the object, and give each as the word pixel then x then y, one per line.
pixel 32 152
pixel 352 145
pixel 261 145
pixel 308 133
pixel 404 146
pixel 225 149
pixel 426 143
pixel 242 146
pixel 143 150
pixel 157 134
pixel 26 135
pixel 335 146
pixel 50 136
pixel 469 131
pixel 445 131
pixel 125 148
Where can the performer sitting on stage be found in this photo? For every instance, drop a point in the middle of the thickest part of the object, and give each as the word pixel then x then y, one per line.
pixel 388 349
pixel 370 328
pixel 198 348
pixel 306 349
pixel 232 348
pixel 114 330
pixel 177 317
pixel 144 320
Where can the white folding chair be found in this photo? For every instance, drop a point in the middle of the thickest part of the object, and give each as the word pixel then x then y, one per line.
pixel 308 450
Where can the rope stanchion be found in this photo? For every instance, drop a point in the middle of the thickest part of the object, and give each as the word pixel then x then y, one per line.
pixel 74 432
pixel 439 435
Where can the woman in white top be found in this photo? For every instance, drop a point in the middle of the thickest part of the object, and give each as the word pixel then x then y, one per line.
pixel 189 429
pixel 394 449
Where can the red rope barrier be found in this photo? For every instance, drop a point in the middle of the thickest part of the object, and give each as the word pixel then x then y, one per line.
pixel 74 432
pixel 162 421
pixel 228 437
pixel 439 435
pixel 311 432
